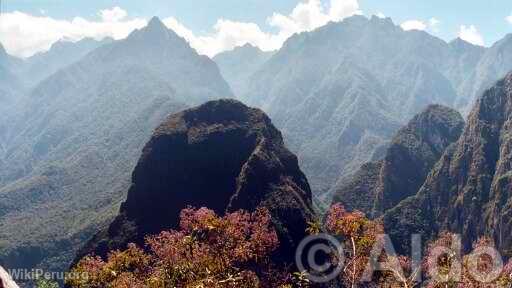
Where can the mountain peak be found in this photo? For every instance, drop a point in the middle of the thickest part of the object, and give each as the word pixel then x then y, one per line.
pixel 248 46
pixel 459 40
pixel 382 20
pixel 234 177
pixel 156 24
pixel 156 31
pixel 459 43
pixel 356 18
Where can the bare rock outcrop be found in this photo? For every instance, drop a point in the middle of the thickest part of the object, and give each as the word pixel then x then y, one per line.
pixel 222 155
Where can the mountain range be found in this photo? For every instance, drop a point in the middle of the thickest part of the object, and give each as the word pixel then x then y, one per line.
pixel 74 120
pixel 339 93
pixel 60 55
pixel 66 170
pixel 358 81
pixel 468 190
pixel 414 150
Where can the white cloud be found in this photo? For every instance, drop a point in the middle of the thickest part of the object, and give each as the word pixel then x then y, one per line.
pixel 433 24
pixel 309 15
pixel 24 34
pixel 433 21
pixel 471 35
pixel 509 19
pixel 380 15
pixel 341 9
pixel 227 34
pixel 413 25
pixel 115 14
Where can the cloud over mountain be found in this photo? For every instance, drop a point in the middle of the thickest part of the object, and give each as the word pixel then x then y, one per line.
pixel 227 34
pixel 432 25
pixel 471 35
pixel 25 34
pixel 413 25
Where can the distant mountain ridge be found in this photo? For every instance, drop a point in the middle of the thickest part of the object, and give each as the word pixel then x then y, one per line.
pixel 341 132
pixel 307 88
pixel 80 134
pixel 10 84
pixel 493 65
pixel 379 186
pixel 11 93
pixel 60 55
pixel 338 94
pixel 468 190
pixel 238 65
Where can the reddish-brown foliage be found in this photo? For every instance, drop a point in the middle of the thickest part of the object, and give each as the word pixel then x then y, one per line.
pixel 207 251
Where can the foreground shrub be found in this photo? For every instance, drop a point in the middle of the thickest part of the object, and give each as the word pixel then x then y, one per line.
pixel 207 251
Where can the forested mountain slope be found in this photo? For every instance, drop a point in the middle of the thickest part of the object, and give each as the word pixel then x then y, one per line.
pixel 67 168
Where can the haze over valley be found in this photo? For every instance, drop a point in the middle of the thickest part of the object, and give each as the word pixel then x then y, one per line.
pixel 104 141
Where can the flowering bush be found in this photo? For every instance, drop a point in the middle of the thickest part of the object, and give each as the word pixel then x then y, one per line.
pixel 235 251
pixel 207 251
pixel 482 268
pixel 359 235
pixel 444 264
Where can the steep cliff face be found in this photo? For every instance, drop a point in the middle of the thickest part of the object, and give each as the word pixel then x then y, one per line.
pixel 221 155
pixel 469 190
pixel 414 150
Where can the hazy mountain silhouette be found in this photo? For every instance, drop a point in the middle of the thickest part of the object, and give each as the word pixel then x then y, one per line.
pixel 468 190
pixel 336 123
pixel 60 55
pixel 494 64
pixel 238 65
pixel 79 136
pixel 415 148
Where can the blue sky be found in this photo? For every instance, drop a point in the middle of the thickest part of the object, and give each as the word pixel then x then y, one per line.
pixel 484 21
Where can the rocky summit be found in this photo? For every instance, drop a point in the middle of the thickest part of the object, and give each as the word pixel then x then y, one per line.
pixel 469 189
pixel 379 186
pixel 222 155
